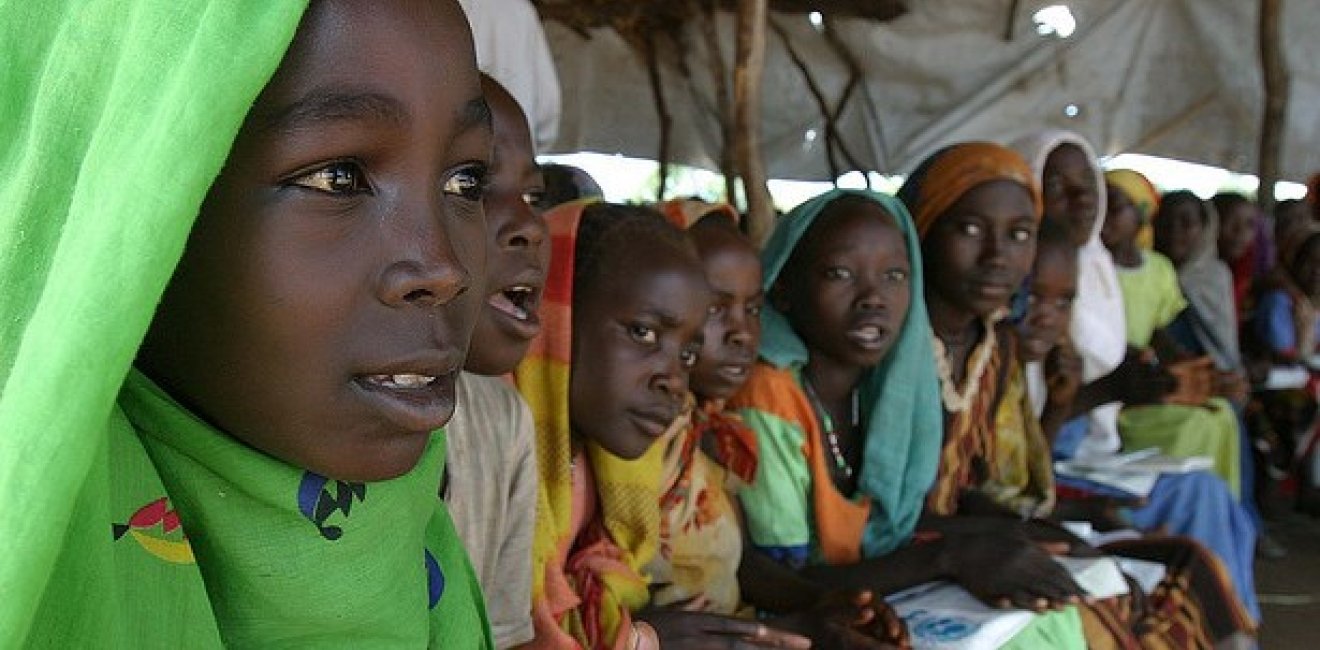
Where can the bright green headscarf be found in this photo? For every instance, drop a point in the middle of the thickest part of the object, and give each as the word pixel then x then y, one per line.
pixel 901 402
pixel 115 118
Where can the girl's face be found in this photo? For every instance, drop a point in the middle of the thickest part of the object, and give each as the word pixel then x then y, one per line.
pixel 1071 193
pixel 848 290
pixel 733 321
pixel 1121 219
pixel 1237 231
pixel 979 251
pixel 517 244
pixel 1178 229
pixel 636 336
pixel 1049 309
pixel 324 304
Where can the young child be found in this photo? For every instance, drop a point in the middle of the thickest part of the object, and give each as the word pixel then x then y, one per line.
pixel 268 474
pixel 624 307
pixel 490 472
pixel 845 404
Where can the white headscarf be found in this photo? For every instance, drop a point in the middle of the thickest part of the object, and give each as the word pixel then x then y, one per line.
pixel 1099 325
pixel 1207 283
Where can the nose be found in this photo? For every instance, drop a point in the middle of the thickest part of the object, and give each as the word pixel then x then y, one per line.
pixel 869 297
pixel 525 230
pixel 671 377
pixel 739 331
pixel 993 253
pixel 425 270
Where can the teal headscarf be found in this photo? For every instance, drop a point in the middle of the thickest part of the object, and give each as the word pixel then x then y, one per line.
pixel 900 397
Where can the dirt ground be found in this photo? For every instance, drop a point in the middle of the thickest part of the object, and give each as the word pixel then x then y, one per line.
pixel 1289 588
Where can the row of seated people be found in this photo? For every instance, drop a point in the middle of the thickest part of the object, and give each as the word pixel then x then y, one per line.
pixel 871 402
pixel 665 435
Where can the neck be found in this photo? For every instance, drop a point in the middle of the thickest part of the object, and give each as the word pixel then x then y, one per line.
pixel 1127 254
pixel 955 327
pixel 833 381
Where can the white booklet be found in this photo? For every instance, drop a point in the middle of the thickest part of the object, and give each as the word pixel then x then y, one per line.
pixel 944 616
pixel 1132 472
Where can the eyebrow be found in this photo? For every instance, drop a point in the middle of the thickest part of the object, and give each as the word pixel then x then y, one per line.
pixel 475 114
pixel 667 318
pixel 337 105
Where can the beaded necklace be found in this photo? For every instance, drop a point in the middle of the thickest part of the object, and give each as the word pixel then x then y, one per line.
pixel 955 402
pixel 827 423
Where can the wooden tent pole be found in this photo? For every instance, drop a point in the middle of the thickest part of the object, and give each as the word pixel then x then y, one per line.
pixel 1275 74
pixel 750 64
pixel 723 103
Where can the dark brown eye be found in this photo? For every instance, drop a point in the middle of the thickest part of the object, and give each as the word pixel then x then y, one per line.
pixel 336 178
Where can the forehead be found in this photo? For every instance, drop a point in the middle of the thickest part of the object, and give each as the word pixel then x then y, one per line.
pixel 1070 161
pixel 383 60
pixel 1001 198
pixel 653 276
pixel 851 226
pixel 1058 262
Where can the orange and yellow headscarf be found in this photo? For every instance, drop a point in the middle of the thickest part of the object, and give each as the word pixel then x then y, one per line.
pixel 952 172
pixel 1144 197
pixel 587 601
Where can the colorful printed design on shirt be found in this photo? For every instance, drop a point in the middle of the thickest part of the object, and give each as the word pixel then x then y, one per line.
pixel 435 580
pixel 155 527
pixel 317 503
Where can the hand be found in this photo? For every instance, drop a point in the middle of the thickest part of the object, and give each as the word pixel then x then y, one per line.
pixel 1195 381
pixel 1063 374
pixel 1232 386
pixel 851 620
pixel 1139 381
pixel 1009 570
pixel 679 630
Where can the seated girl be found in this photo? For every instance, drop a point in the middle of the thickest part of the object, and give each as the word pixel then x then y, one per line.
pixel 624 306
pixel 267 475
pixel 1152 301
pixel 701 561
pixel 845 404
pixel 490 473
pixel 1196 504
pixel 1196 600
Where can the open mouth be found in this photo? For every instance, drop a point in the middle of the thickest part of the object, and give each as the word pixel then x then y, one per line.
pixel 413 401
pixel 518 301
pixel 870 336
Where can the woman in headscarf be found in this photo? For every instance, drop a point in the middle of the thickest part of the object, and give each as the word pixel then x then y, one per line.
pixel 1196 504
pixel 845 403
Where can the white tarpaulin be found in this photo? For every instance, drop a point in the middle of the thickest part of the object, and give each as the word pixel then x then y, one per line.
pixel 1175 78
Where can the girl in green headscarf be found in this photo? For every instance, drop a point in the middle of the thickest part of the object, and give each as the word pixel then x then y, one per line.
pixel 266 476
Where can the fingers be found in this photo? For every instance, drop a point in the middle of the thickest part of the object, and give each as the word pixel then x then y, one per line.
pixel 756 635
pixel 1055 547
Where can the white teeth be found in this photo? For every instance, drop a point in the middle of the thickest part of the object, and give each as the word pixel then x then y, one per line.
pixel 868 333
pixel 735 370
pixel 402 381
